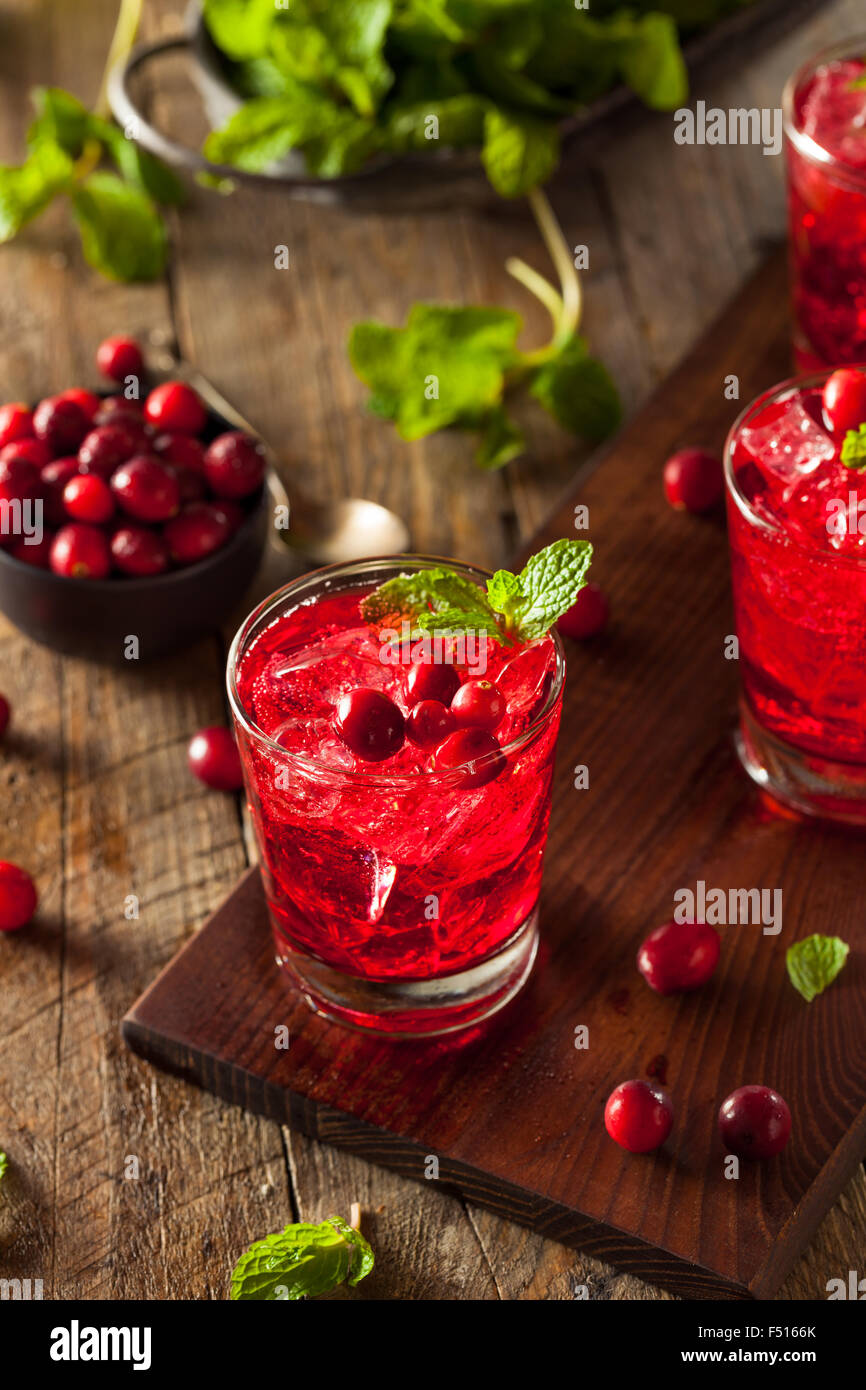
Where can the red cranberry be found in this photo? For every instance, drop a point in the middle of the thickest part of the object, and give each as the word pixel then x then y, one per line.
pixel 587 616
pixel 474 750
pixel 639 1116
pixel 16 422
pixel 431 681
pixel 478 705
pixel 87 497
pixel 146 489
pixel 54 477
pixel 137 551
pixel 107 447
pixel 428 723
pixel 117 410
pixel 679 956
pixel 118 358
pixel 232 514
pixel 88 401
pixel 235 465
pixel 192 485
pixel 60 424
pixel 370 724
pixel 180 449
pixel 34 451
pixel 755 1122
pixel 5 714
pixel 175 406
pixel 197 531
pixel 18 897
pixel 79 551
pixel 844 399
pixel 19 480
pixel 214 759
pixel 693 480
pixel 36 553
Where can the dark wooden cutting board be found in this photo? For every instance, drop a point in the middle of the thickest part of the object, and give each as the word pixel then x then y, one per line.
pixel 513 1111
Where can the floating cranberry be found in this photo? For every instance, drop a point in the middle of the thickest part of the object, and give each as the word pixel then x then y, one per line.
pixel 693 480
pixel 431 681
pixel 146 488
pixel 428 723
pixel 478 705
pixel 36 553
pixel 476 751
pixel 214 759
pixel 5 714
pixel 19 480
pixel 137 551
pixel 60 424
pixel 18 897
pixel 679 956
pixel 235 465
pixel 34 451
pixel 638 1116
pixel 175 406
pixel 16 422
pixel 755 1122
pixel 198 530
pixel 370 724
pixel 87 497
pixel 54 477
pixel 88 401
pixel 118 358
pixel 107 447
pixel 80 551
pixel 844 399
pixel 587 616
pixel 180 449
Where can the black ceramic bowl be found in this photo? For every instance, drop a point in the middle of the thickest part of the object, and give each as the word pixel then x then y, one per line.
pixel 94 618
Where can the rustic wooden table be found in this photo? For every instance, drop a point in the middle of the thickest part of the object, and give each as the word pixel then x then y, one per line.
pixel 97 801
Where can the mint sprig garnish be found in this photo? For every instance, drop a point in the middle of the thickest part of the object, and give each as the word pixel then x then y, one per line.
pixel 302 1261
pixel 814 963
pixel 853 453
pixel 516 607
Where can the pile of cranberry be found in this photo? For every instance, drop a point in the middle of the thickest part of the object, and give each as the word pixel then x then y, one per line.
pixel 127 487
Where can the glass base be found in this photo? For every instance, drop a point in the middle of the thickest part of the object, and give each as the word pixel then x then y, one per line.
pixel 414 1008
pixel 808 783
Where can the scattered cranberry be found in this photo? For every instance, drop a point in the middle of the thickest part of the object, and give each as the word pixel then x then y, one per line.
pixel 755 1122
pixel 844 399
pixel 54 477
pixel 679 956
pixel 36 553
pixel 431 681
pixel 638 1116
pixel 118 358
pixel 5 714
pixel 146 489
pixel 87 497
pixel 180 449
pixel 16 422
pixel 478 705
pixel 198 530
pixel 80 551
pixel 18 897
pixel 117 410
pixel 175 406
pixel 60 424
pixel 235 465
pixel 474 750
pixel 428 723
pixel 693 480
pixel 88 401
pixel 370 724
pixel 19 480
pixel 107 447
pixel 34 451
pixel 214 759
pixel 587 616
pixel 137 551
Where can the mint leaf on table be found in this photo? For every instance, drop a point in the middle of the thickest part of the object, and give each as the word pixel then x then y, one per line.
pixel 578 391
pixel 61 118
pixel 302 1261
pixel 139 168
pixel 519 151
pixel 27 189
pixel 853 453
pixel 501 440
pixel 4 1164
pixel 122 234
pixel 814 963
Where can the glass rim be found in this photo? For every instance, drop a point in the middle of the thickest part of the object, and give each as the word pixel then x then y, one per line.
pixel 804 144
pixel 772 525
pixel 402 779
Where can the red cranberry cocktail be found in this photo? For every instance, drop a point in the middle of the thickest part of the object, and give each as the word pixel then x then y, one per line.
pixel 796 488
pixel 825 130
pixel 399 785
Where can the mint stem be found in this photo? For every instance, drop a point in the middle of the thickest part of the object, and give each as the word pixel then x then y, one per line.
pixel 128 20
pixel 565 309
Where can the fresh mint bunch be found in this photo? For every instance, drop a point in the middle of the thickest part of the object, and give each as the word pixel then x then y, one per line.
pixel 853 453
pixel 814 963
pixel 514 607
pixel 117 213
pixel 302 1261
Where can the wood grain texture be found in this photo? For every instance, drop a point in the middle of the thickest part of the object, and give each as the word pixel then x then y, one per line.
pixel 670 239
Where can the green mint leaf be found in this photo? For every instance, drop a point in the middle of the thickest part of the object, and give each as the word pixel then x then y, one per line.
pixel 549 584
pixel 449 122
pixel 27 189
pixel 857 84
pixel 814 963
pixel 266 129
pixel 345 148
pixel 60 118
pixel 519 151
pixel 141 169
pixel 4 1164
pixel 456 620
pixel 428 81
pixel 424 597
pixel 653 64
pixel 302 1261
pixel 499 79
pixel 853 453
pixel 240 27
pixel 501 440
pixel 122 234
pixel 504 593
pixel 578 392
